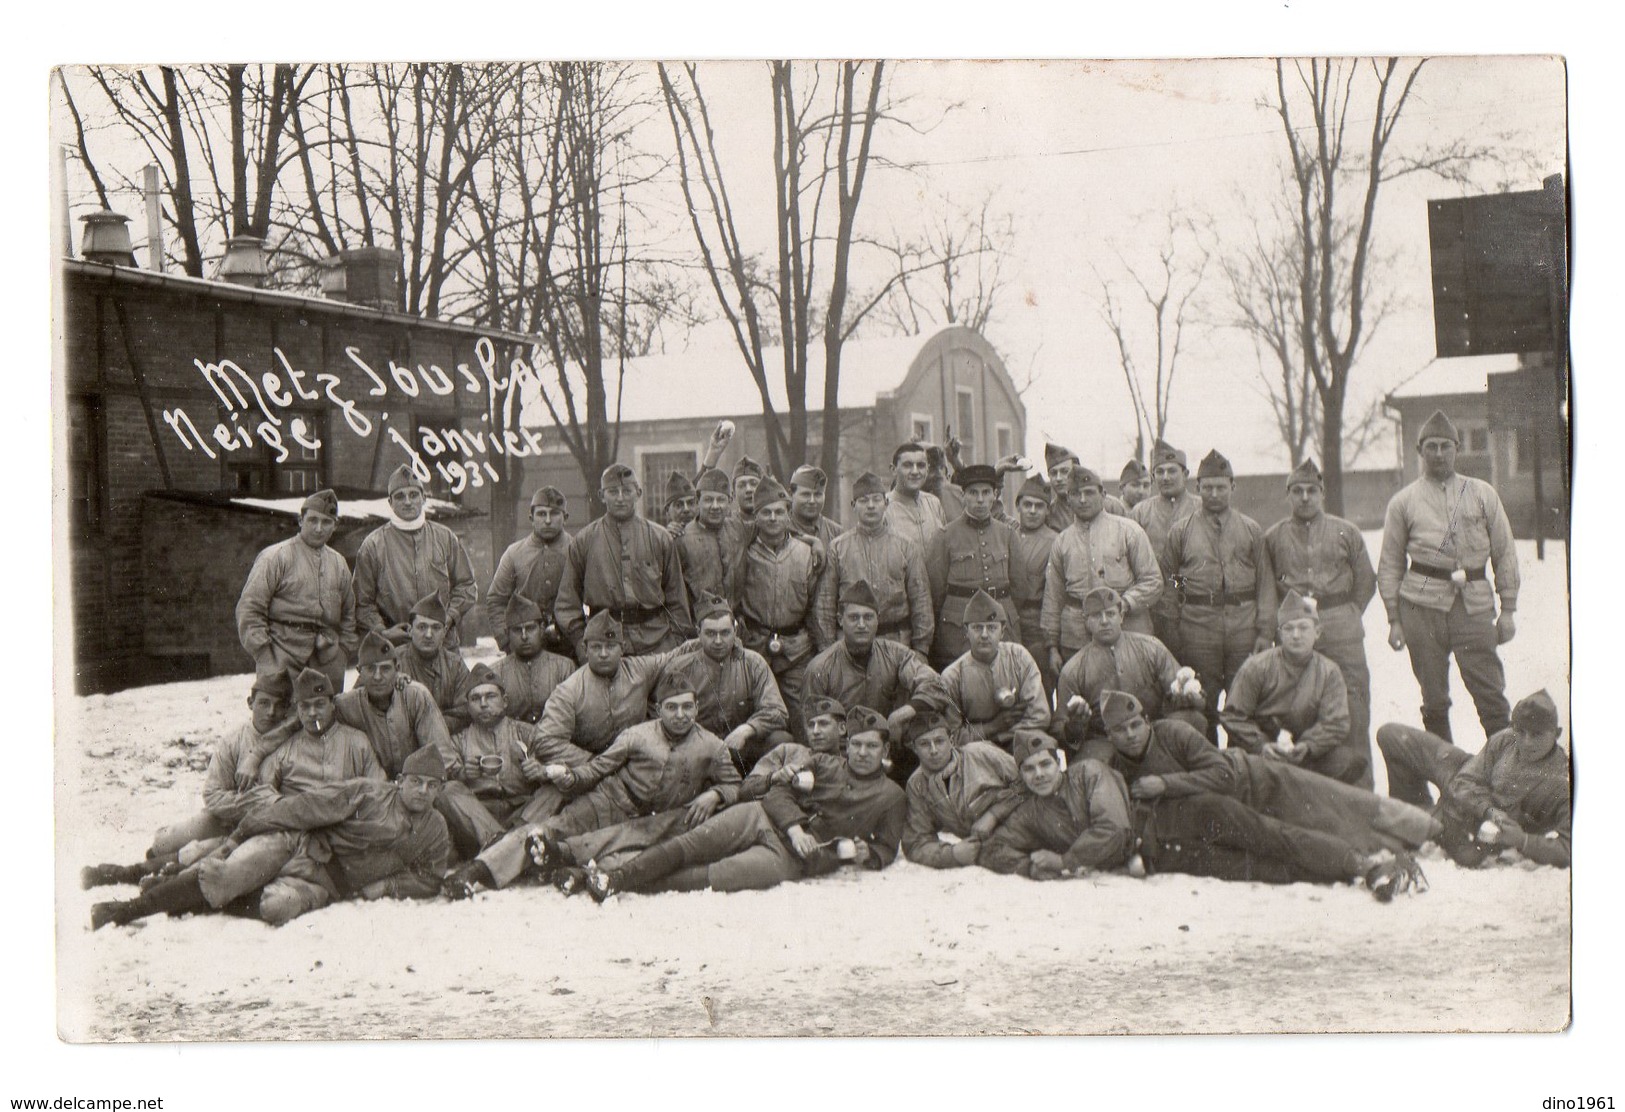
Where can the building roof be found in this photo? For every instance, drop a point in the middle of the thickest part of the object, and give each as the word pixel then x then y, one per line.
pixel 710 379
pixel 351 509
pixel 1466 374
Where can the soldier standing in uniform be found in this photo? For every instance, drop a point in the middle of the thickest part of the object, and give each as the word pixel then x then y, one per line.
pixel 532 567
pixel 775 585
pixel 682 502
pixel 1440 533
pixel 1133 484
pixel 974 553
pixel 1226 588
pixel 913 512
pixel 408 558
pixel 1030 548
pixel 528 672
pixel 1323 557
pixel 1157 515
pixel 708 545
pixel 627 566
pixel 889 563
pixel 1097 549
pixel 297 608
pixel 747 477
pixel 809 488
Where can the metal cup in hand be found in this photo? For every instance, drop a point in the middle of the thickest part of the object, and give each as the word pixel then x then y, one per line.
pixel 804 780
pixel 846 849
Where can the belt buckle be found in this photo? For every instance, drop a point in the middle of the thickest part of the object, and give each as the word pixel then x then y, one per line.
pixel 774 644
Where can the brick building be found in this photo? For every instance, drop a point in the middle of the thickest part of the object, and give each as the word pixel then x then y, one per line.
pixel 187 400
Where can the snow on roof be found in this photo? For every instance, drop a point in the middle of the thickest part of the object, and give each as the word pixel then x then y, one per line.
pixel 710 379
pixel 351 509
pixel 1464 374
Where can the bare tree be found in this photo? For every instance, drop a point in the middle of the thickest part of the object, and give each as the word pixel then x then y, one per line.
pixel 951 273
pixel 1148 322
pixel 824 120
pixel 1336 171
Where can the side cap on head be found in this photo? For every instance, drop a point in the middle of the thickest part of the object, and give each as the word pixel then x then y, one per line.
pixel 481 675
pixel 677 679
pixel 1117 707
pixel 1296 606
pixel 1535 712
pixel 1133 471
pixel 748 466
pixel 425 762
pixel 1055 453
pixel 1215 466
pixel 866 720
pixel 616 474
pixel 323 501
pixel 711 605
pixel 1439 426
pixel 808 477
pixel 521 610
pixel 403 477
pixel 602 626
pixel 429 606
pixel 550 497
pixel 770 492
pixel 1081 477
pixel 866 484
pixel 1034 487
pixel 713 481
pixel 860 594
pixel 1099 599
pixel 275 684
pixel 1027 743
pixel 375 647
pixel 823 704
pixel 1165 452
pixel 983 608
pixel 311 684
pixel 1306 472
pixel 678 486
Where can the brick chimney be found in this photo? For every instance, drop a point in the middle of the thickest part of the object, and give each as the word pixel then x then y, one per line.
pixel 364 276
pixel 107 238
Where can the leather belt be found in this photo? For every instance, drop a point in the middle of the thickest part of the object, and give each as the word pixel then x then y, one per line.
pixel 957 591
pixel 1433 572
pixel 1326 602
pixel 1217 598
pixel 632 615
pixel 763 627
pixel 894 627
pixel 303 627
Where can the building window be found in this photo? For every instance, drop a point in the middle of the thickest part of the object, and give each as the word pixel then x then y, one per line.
pixel 654 468
pixel 1524 459
pixel 1475 440
pixel 85 483
pixel 301 472
pixel 1004 441
pixel 920 428
pixel 965 422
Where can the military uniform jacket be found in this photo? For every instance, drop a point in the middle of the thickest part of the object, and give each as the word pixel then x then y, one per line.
pixel 307 762
pixel 509 740
pixel 895 567
pixel 1271 693
pixel 979 778
pixel 292 582
pixel 919 520
pixel 969 557
pixel 791 754
pixel 1157 516
pixel 446 677
pixel 528 567
pixel 707 554
pixel 974 688
pixel 1535 795
pixel 1061 514
pixel 736 690
pixel 893 675
pixel 824 532
pixel 1223 556
pixel 1110 552
pixel 529 683
pixel 611 565
pixel 1325 558
pixel 366 831
pixel 220 795
pixel 1456 524
pixel 394 568
pixel 586 711
pixel 1086 821
pixel 407 724
pixel 645 772
pixel 870 809
pixel 1029 557
pixel 1187 762
pixel 1138 664
pixel 778 590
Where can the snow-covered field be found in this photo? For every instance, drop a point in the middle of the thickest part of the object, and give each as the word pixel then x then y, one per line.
pixel 909 950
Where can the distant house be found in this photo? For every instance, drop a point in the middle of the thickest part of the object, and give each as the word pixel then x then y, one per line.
pixel 891 390
pixel 1513 426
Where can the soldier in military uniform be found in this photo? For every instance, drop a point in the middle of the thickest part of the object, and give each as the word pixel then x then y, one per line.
pixel 1441 533
pixel 1133 484
pixel 892 565
pixel 1030 549
pixel 1324 558
pixel 747 477
pixel 995 684
pixel 407 558
pixel 912 511
pixel 1157 515
pixel 528 672
pixel 1069 822
pixel 809 489
pixel 398 714
pixel 297 607
pixel 1292 689
pixel 490 773
pixel 532 566
pixel 1226 587
pixel 708 546
pixel 1097 549
pixel 775 583
pixel 963 790
pixel 974 553
pixel 628 566
pixel 426 659
pixel 738 698
pixel 682 502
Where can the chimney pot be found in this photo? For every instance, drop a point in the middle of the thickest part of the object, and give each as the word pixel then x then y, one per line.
pixel 243 264
pixel 364 276
pixel 107 238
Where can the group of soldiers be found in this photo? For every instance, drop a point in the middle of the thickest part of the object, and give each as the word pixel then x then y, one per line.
pixel 747 693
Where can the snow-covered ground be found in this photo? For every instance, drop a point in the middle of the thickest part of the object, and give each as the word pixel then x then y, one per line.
pixel 909 950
